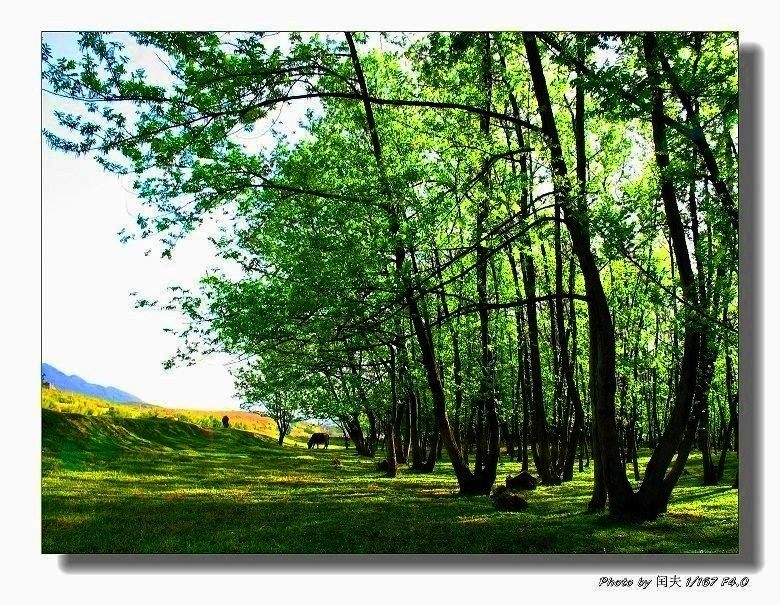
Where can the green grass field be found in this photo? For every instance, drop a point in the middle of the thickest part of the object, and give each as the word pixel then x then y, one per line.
pixel 114 484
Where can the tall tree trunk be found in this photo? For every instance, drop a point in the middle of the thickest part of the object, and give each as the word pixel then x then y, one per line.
pixel 732 425
pixel 392 464
pixel 523 391
pixel 535 413
pixel 433 451
pixel 463 474
pixel 414 431
pixel 601 329
pixel 572 392
pixel 656 487
pixel 421 328
pixel 487 412
pixel 556 431
pixel 457 368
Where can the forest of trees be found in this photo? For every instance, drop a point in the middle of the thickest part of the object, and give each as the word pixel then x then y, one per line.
pixel 463 244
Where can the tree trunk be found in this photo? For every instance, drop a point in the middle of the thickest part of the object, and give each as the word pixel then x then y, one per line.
pixel 463 474
pixel 523 360
pixel 732 425
pixel 656 487
pixel 392 464
pixel 567 367
pixel 433 451
pixel 534 410
pixel 601 329
pixel 488 433
pixel 355 432
pixel 414 431
pixel 457 377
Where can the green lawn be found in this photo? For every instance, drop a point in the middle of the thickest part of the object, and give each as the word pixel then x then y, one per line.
pixel 122 485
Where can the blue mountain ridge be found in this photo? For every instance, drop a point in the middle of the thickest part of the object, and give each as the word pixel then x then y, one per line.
pixel 74 383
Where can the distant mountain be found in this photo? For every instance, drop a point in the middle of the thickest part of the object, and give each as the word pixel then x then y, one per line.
pixel 60 380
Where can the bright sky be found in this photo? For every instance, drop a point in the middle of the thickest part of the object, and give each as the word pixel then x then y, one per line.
pixel 90 326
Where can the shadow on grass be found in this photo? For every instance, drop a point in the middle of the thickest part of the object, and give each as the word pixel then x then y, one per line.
pixel 150 487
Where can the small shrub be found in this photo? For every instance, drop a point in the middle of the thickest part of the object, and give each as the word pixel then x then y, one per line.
pixel 208 422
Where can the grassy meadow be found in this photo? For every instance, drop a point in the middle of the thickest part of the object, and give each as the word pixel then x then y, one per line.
pixel 139 479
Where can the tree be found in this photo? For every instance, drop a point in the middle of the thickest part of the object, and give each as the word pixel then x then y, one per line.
pixel 270 393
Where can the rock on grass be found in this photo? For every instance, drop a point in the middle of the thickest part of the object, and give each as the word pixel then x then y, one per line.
pixel 505 499
pixel 523 480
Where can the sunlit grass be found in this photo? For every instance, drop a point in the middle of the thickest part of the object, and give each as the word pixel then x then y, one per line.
pixel 142 485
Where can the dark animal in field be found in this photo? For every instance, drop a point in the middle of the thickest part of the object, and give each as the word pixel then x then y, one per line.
pixel 336 462
pixel 507 500
pixel 523 480
pixel 382 466
pixel 319 439
pixel 226 422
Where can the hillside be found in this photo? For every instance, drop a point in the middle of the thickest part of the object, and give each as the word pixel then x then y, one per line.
pixel 108 434
pixel 76 384
pixel 78 403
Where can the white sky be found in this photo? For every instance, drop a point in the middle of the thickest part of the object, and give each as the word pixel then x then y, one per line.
pixel 90 325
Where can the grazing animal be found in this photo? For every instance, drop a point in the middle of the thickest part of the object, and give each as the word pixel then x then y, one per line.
pixel 319 439
pixel 226 422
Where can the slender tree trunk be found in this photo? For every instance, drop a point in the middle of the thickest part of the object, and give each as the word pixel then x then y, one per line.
pixel 414 431
pixel 601 329
pixel 487 413
pixel 567 367
pixel 732 425
pixel 392 464
pixel 523 388
pixel 434 451
pixel 534 415
pixel 657 486
pixel 463 474
pixel 457 369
